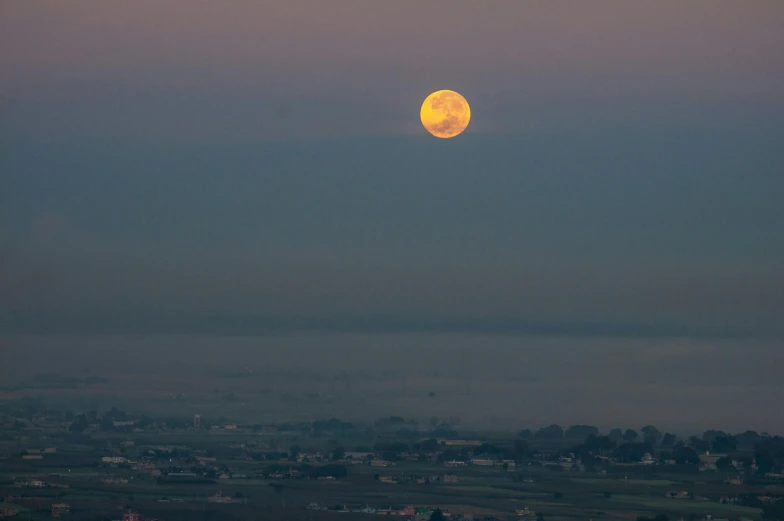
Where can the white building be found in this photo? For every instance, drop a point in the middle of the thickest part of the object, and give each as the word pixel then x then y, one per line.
pixel 482 462
pixel 114 459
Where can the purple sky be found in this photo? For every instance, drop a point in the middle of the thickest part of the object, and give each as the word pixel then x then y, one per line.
pixel 623 162
pixel 264 69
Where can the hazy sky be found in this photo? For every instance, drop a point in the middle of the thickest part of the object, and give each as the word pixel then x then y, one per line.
pixel 676 384
pixel 202 165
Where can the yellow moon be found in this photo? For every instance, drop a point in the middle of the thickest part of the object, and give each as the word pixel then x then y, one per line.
pixel 445 113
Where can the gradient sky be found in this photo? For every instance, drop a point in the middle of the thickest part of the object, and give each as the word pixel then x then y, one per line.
pixel 241 166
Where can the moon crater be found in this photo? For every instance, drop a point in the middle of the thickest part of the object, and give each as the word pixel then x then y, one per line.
pixel 445 113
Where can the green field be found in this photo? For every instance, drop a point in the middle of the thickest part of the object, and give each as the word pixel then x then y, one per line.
pixel 687 506
pixel 605 480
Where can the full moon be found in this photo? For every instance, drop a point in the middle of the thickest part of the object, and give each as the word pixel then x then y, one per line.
pixel 445 113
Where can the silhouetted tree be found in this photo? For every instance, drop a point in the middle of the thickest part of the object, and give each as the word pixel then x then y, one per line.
pixel 764 462
pixel 520 449
pixel 444 431
pixel 616 435
pixel 685 456
pixel 392 420
pixel 651 434
pixel 294 451
pixel 115 414
pixel 748 439
pixel 724 444
pixel 629 452
pixel 711 435
pixel 698 444
pixel 630 435
pixel 79 424
pixel 551 432
pixel 580 432
pixel 769 454
pixel 437 515
pixel 390 450
pixel 408 433
pixel 724 463
pixel 774 510
pixel 430 445
pixel 668 440
pixel 333 424
pixel 660 517
pixel 487 448
pixel 601 445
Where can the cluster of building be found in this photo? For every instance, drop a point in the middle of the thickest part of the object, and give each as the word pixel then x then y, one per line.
pixel 413 513
pixel 59 509
pixel 115 460
pixel 286 474
pixel 220 498
pixel 409 512
pixel 525 512
pixel 32 483
pixel 419 480
pixel 685 495
pixel 482 462
pixel 114 481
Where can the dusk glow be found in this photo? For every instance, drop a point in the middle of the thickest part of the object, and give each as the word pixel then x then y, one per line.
pixel 242 279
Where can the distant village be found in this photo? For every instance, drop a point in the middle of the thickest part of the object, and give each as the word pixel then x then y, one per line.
pixel 124 456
